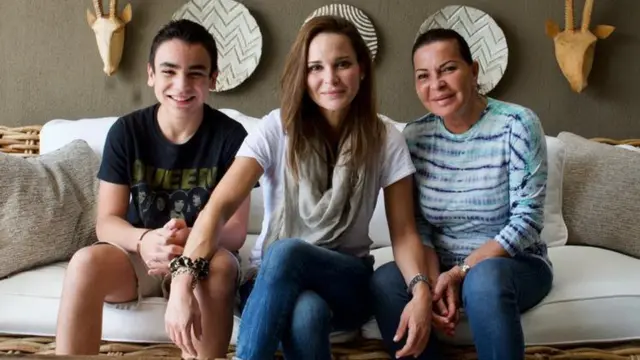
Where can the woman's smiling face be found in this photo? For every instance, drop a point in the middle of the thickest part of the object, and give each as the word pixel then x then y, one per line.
pixel 445 82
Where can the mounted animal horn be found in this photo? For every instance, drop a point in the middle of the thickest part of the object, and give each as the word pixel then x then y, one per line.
pixel 109 31
pixel 575 50
pixel 586 15
pixel 568 15
pixel 97 6
pixel 113 5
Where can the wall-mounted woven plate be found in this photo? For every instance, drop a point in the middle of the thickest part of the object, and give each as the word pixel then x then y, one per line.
pixel 357 17
pixel 237 36
pixel 486 40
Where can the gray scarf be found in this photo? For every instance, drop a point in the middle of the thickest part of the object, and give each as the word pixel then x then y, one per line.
pixel 312 212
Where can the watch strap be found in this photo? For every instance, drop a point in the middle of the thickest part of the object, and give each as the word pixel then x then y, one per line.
pixel 415 280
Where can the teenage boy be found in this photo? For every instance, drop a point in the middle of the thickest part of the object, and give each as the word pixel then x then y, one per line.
pixel 159 167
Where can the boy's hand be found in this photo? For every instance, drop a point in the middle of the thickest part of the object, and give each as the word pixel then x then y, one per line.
pixel 158 248
pixel 181 231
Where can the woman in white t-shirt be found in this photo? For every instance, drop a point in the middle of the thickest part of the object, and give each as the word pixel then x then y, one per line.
pixel 321 159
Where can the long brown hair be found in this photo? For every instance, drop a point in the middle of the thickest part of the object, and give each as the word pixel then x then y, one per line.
pixel 301 117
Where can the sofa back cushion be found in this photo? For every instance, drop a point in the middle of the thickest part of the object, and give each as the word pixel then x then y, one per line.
pixel 554 232
pixel 47 210
pixel 59 132
pixel 256 212
pixel 601 195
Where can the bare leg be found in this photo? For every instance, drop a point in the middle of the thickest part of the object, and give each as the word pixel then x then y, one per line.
pixel 95 274
pixel 216 297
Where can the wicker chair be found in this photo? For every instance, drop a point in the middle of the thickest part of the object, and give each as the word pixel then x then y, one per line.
pixel 25 141
pixel 21 141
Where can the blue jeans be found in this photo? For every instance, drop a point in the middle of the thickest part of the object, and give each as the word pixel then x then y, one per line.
pixel 301 294
pixel 494 294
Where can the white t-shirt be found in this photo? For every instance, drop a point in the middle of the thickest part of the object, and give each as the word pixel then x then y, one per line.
pixel 267 144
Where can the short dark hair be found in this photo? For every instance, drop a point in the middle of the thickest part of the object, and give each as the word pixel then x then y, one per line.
pixel 189 32
pixel 179 195
pixel 440 34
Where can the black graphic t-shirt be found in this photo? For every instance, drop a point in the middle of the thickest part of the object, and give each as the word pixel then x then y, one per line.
pixel 168 180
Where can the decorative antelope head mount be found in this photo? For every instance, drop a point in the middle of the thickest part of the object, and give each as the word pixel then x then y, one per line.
pixel 109 29
pixel 575 48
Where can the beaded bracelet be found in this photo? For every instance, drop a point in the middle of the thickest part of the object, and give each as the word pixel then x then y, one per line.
pixel 199 268
pixel 186 270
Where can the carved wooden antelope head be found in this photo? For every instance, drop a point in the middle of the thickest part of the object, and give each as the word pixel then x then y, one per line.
pixel 109 30
pixel 575 48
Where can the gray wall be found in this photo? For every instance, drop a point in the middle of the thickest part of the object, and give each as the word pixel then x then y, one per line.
pixel 50 67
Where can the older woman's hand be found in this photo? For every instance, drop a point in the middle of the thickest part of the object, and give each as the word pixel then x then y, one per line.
pixel 446 296
pixel 440 319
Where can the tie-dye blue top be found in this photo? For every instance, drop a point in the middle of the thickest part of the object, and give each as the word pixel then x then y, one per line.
pixel 487 183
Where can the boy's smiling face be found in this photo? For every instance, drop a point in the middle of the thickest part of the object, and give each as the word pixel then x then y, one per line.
pixel 182 77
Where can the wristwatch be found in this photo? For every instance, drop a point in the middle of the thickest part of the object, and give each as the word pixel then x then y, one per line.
pixel 464 268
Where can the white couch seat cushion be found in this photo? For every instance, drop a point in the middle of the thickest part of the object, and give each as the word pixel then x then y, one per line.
pixel 595 298
pixel 29 303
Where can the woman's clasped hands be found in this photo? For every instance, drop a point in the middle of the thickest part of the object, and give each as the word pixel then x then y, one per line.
pixel 446 301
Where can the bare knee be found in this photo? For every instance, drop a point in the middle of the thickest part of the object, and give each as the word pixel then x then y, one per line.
pixel 104 268
pixel 91 261
pixel 223 275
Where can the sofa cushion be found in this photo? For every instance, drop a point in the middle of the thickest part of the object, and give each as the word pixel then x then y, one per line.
pixel 601 197
pixel 571 313
pixel 595 298
pixel 256 212
pixel 628 147
pixel 554 232
pixel 249 123
pixel 47 207
pixel 59 132
pixel 30 301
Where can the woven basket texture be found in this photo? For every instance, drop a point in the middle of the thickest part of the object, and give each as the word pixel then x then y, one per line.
pixel 21 141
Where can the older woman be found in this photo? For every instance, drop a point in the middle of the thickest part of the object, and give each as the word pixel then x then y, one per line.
pixel 481 181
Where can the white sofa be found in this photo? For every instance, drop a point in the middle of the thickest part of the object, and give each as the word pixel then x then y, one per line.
pixel 595 295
